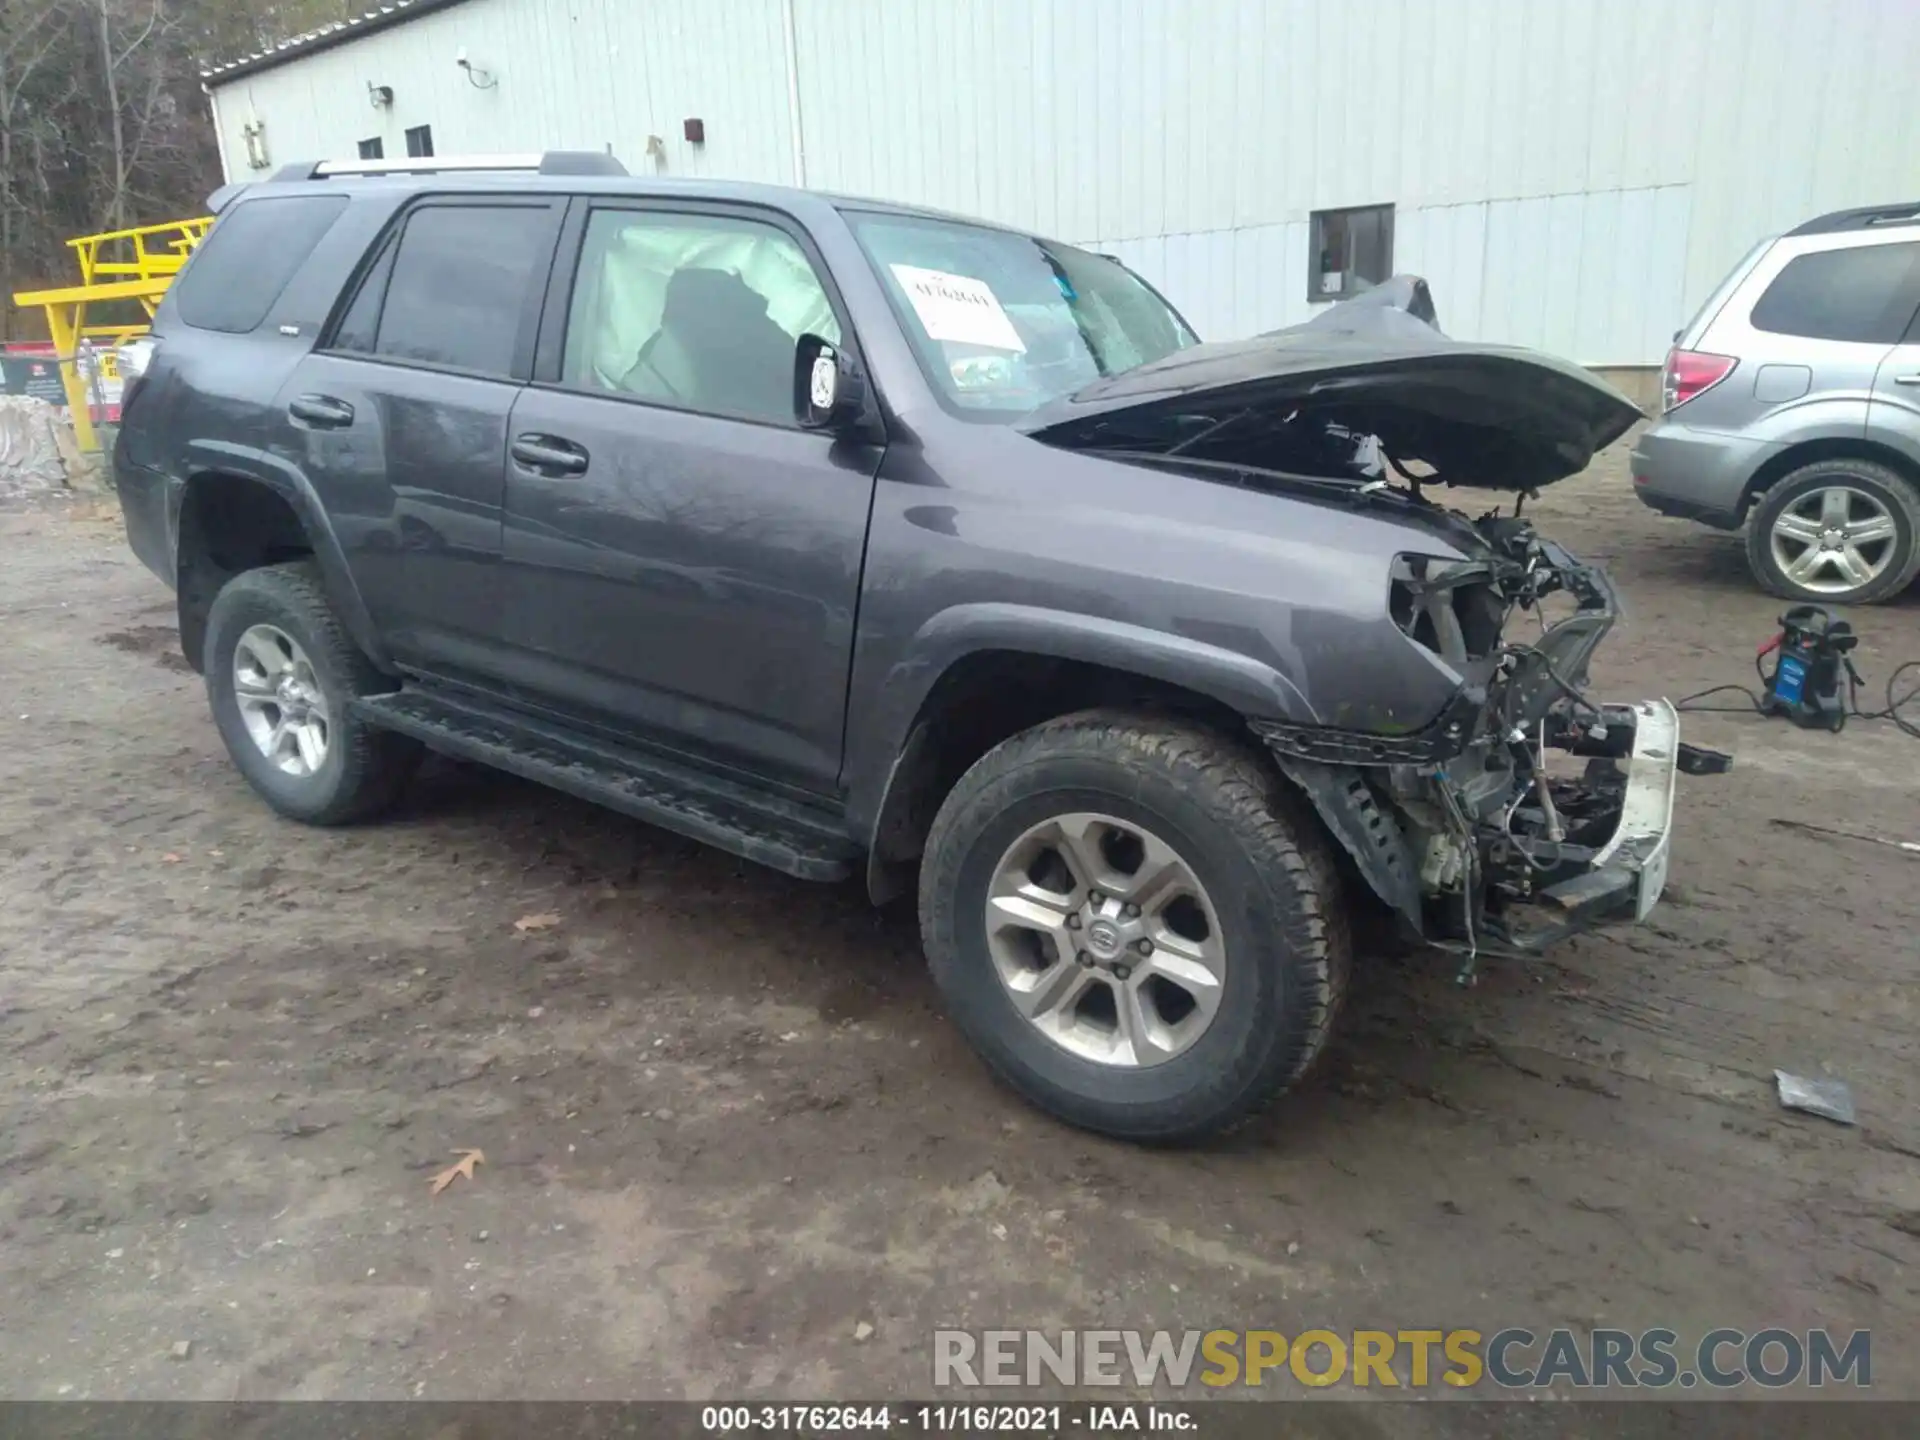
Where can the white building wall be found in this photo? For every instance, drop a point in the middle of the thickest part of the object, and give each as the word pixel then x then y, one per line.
pixel 1572 174
pixel 567 75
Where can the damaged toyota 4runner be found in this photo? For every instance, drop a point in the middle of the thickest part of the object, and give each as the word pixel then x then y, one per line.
pixel 863 541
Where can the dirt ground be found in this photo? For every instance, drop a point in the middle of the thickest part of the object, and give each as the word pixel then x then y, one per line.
pixel 726 1129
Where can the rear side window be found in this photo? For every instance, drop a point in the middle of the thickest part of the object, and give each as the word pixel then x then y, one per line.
pixel 248 258
pixel 1865 294
pixel 454 291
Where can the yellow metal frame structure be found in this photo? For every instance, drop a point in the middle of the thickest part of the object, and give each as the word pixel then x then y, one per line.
pixel 136 264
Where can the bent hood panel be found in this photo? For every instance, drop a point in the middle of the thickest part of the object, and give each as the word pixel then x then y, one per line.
pixel 1479 415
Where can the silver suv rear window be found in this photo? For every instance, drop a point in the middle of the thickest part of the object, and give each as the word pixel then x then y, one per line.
pixel 1864 293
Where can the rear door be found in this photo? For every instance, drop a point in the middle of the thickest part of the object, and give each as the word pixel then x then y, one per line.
pixel 1893 417
pixel 399 418
pixel 683 560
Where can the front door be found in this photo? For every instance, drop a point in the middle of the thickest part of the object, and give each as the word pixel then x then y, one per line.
pixel 399 419
pixel 682 560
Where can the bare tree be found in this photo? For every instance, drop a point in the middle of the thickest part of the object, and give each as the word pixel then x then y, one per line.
pixel 30 36
pixel 103 123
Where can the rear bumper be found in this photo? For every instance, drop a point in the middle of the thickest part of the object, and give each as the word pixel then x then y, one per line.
pixel 147 507
pixel 1696 474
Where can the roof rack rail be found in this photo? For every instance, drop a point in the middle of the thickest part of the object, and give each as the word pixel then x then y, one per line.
pixel 553 162
pixel 1866 218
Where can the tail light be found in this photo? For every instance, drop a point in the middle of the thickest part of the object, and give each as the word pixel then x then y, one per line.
pixel 133 359
pixel 1691 373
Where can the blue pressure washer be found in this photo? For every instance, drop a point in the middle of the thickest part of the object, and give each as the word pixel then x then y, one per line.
pixel 1809 653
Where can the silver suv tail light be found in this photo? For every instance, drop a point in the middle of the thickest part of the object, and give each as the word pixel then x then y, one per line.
pixel 1691 373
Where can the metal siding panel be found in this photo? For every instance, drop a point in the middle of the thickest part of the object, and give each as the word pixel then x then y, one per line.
pixel 1559 265
pixel 1469 225
pixel 1664 301
pixel 1465 111
pixel 1497 289
pixel 1597 309
pixel 1633 267
pixel 1217 247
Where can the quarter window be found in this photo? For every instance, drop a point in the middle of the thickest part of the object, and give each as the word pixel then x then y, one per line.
pixel 700 311
pixel 248 258
pixel 1865 293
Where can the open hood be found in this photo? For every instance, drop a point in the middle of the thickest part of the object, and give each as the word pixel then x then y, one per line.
pixel 1368 381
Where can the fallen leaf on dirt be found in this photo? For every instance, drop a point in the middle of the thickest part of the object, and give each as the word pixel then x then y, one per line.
pixel 462 1167
pixel 545 920
pixel 169 859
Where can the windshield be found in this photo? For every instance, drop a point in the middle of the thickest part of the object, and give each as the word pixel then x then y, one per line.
pixel 1003 323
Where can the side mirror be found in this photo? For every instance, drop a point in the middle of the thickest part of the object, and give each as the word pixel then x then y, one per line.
pixel 829 392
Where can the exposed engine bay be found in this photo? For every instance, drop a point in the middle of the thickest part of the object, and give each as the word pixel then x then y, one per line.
pixel 1482 828
pixel 1468 828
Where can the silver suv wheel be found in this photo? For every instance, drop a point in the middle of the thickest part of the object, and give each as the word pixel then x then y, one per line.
pixel 1106 940
pixel 1845 530
pixel 280 699
pixel 1834 540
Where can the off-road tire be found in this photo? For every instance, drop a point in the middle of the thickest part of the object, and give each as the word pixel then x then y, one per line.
pixel 1253 845
pixel 365 768
pixel 1897 493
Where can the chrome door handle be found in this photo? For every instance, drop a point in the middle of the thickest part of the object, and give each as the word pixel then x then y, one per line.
pixel 548 455
pixel 321 411
pixel 1906 379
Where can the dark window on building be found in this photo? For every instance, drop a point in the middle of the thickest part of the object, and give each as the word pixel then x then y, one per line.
pixel 419 140
pixel 455 288
pixel 1349 251
pixel 1866 293
pixel 243 265
pixel 372 149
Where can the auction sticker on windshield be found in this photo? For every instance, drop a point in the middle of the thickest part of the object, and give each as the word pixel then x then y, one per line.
pixel 958 308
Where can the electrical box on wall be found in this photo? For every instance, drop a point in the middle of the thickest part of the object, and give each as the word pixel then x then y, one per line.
pixel 695 131
pixel 254 132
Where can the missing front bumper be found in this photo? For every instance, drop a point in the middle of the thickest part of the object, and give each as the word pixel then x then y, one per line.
pixel 1628 871
pixel 1526 892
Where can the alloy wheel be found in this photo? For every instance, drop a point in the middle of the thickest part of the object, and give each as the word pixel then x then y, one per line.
pixel 280 699
pixel 1834 540
pixel 1106 940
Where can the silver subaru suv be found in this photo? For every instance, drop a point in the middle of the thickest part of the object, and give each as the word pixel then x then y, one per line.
pixel 1791 404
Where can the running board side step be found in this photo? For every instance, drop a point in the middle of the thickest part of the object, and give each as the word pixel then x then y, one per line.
pixel 718 812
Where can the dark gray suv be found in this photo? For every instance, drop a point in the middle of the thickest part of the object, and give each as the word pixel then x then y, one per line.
pixel 1792 405
pixel 860 540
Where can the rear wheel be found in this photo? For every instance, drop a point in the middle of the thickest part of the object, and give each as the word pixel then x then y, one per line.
pixel 1836 532
pixel 281 671
pixel 1135 924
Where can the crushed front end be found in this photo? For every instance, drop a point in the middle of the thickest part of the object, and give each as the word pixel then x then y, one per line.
pixel 1526 811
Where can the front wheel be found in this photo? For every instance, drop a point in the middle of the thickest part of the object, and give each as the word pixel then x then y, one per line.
pixel 1836 532
pixel 281 671
pixel 1135 923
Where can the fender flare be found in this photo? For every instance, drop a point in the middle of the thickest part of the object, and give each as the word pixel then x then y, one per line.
pixel 290 483
pixel 1250 686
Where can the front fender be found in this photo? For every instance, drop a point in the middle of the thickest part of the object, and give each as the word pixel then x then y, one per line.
pixel 1250 686
pixel 288 481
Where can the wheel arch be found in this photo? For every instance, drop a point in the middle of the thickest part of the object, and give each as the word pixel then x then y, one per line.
pixel 1810 452
pixel 985 696
pixel 243 510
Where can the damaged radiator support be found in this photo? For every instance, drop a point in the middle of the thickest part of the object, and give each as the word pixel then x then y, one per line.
pixel 1458 827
